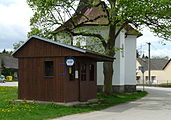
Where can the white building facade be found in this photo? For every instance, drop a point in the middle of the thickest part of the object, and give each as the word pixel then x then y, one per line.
pixel 124 76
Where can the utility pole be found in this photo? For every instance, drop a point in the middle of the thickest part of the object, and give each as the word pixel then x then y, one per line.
pixel 149 65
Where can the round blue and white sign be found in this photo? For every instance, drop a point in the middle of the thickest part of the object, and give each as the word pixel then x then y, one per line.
pixel 70 62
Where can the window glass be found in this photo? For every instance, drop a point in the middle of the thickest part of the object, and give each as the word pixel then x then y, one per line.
pixel 49 68
pixel 83 72
pixel 153 78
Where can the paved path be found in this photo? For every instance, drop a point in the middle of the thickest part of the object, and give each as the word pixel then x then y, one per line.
pixel 155 106
pixel 9 84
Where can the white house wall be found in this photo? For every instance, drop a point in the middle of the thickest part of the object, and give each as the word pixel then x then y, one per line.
pixel 130 58
pixel 119 63
pixel 162 76
pixel 93 44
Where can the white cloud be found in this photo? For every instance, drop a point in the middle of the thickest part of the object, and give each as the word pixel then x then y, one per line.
pixel 18 13
pixel 147 37
pixel 157 49
pixel 7 2
pixel 159 52
pixel 14 22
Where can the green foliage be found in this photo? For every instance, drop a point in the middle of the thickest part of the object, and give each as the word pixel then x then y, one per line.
pixel 155 14
pixel 160 57
pixel 165 84
pixel 33 111
pixel 17 45
pixel 48 15
pixel 6 53
pixel 8 72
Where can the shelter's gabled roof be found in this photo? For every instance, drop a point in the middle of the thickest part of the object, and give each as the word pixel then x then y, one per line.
pixel 88 53
pixel 9 62
pixel 156 64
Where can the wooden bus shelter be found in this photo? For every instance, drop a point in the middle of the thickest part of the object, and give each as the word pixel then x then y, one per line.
pixel 51 71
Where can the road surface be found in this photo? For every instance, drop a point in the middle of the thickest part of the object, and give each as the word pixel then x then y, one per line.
pixel 155 106
pixel 9 84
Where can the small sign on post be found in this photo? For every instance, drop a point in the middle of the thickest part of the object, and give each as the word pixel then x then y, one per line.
pixel 142 70
pixel 70 61
pixel 76 74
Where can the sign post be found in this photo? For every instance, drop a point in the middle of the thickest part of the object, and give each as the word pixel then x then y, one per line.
pixel 142 70
pixel 70 62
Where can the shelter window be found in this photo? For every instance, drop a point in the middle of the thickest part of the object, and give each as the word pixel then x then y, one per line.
pixel 91 72
pixel 49 69
pixel 83 72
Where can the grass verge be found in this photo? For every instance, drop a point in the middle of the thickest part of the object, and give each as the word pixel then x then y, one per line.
pixel 11 80
pixel 32 111
pixel 165 84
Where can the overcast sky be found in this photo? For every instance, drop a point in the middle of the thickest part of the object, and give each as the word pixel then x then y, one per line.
pixel 14 25
pixel 14 22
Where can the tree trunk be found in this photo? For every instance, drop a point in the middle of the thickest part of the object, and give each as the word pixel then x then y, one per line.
pixel 108 74
pixel 108 66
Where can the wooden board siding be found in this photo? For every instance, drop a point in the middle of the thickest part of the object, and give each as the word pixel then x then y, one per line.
pixel 33 85
pixel 72 86
pixel 78 90
pixel 38 48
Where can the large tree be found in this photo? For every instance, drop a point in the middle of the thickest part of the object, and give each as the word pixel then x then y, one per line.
pixel 49 14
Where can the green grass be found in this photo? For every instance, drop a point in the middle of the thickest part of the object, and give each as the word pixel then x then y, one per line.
pixel 165 84
pixel 11 81
pixel 33 111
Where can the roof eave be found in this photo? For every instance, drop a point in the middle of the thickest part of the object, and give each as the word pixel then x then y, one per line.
pixel 50 41
pixel 166 64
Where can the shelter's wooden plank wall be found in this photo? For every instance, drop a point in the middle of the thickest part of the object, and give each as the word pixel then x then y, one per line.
pixel 33 85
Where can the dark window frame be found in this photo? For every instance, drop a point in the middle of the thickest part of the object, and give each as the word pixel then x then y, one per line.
pixel 48 68
pixel 138 77
pixel 83 72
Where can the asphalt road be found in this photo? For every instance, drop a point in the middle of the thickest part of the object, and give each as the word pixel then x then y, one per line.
pixel 155 106
pixel 9 84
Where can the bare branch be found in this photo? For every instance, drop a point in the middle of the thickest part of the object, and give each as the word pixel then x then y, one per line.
pixel 120 29
pixel 59 15
pixel 90 35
